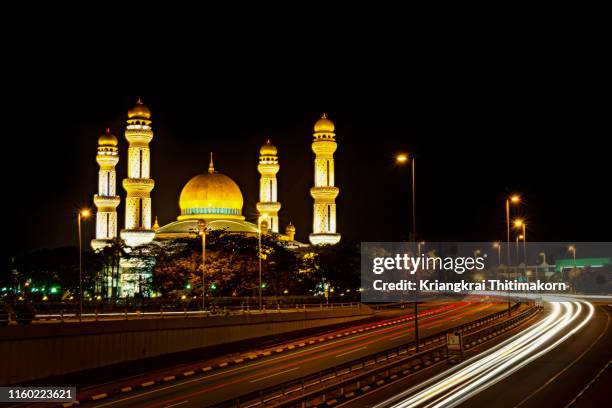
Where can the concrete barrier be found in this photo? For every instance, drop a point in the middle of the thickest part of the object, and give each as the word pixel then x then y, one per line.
pixel 44 350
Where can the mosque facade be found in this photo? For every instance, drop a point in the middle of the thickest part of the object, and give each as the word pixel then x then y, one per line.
pixel 211 196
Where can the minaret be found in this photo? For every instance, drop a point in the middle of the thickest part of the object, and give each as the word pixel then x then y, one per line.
pixel 107 199
pixel 290 231
pixel 138 185
pixel 268 205
pixel 324 192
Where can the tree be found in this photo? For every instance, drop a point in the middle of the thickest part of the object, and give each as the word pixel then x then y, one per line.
pixel 111 258
pixel 339 265
pixel 231 267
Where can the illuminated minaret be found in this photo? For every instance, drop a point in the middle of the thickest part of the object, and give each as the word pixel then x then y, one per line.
pixel 290 231
pixel 324 192
pixel 107 199
pixel 268 205
pixel 138 183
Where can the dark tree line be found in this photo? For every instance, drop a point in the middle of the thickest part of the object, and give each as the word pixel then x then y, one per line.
pixel 231 267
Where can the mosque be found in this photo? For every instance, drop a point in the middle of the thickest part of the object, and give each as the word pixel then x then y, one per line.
pixel 211 196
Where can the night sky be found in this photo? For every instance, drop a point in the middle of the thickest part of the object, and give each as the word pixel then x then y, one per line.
pixel 477 136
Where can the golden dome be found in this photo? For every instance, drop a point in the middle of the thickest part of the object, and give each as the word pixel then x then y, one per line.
pixel 211 195
pixel 140 111
pixel 107 139
pixel 324 125
pixel 268 149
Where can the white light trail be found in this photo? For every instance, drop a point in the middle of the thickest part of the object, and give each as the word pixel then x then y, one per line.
pixel 460 383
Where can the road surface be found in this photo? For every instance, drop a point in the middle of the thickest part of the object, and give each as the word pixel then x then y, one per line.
pixel 557 362
pixel 205 389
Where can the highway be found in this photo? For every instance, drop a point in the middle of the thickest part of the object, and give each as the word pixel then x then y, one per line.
pixel 555 362
pixel 217 386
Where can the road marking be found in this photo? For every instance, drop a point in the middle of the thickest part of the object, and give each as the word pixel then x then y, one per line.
pixel 352 351
pixel 274 375
pixel 567 367
pixel 178 403
pixel 572 402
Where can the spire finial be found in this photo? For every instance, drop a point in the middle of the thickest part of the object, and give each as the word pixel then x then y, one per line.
pixel 324 115
pixel 107 130
pixel 268 141
pixel 211 167
pixel 139 101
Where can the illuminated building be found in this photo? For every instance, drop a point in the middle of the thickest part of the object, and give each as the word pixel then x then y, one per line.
pixel 213 197
pixel 106 200
pixel 268 205
pixel 210 196
pixel 324 192
pixel 138 183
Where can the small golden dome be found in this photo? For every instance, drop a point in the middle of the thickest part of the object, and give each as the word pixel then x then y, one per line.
pixel 107 139
pixel 324 125
pixel 211 195
pixel 290 228
pixel 140 111
pixel 268 149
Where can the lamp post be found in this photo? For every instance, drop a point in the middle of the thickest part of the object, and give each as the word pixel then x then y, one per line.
pixel 405 158
pixel 202 232
pixel 497 246
pixel 513 199
pixel 259 256
pixel 401 159
pixel 518 238
pixel 85 213
pixel 572 248
pixel 524 226
pixel 520 224
pixel 543 255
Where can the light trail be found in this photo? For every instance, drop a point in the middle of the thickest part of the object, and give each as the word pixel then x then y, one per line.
pixel 462 382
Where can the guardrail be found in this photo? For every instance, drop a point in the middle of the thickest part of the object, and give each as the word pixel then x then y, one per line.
pixel 404 364
pixel 69 317
pixel 478 336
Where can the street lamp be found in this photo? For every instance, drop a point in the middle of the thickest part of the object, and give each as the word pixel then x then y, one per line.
pixel 420 246
pixel 259 222
pixel 519 223
pixel 202 232
pixel 572 249
pixel 513 199
pixel 84 213
pixel 497 246
pixel 518 238
pixel 403 158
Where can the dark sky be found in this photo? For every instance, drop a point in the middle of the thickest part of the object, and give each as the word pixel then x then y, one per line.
pixel 479 132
